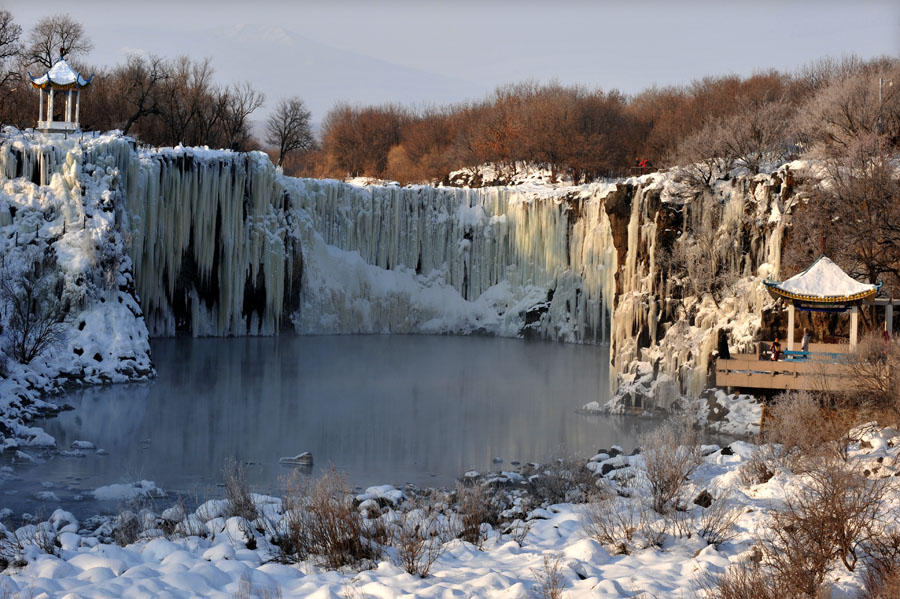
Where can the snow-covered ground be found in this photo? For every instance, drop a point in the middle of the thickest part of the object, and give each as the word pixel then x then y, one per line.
pixel 210 554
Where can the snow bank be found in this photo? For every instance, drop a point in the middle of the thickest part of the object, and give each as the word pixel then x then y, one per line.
pixel 216 556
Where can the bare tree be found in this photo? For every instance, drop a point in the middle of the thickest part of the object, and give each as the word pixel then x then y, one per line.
pixel 33 309
pixel 760 132
pixel 288 128
pixel 183 97
pixel 9 50
pixel 242 101
pixel 54 35
pixel 141 80
pixel 705 155
pixel 858 212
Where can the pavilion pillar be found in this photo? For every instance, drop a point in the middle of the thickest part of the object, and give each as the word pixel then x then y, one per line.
pixel 854 327
pixel 69 106
pixel 77 108
pixel 41 105
pixel 50 108
pixel 790 331
pixel 889 318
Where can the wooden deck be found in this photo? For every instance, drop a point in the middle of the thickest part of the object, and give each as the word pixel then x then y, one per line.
pixel 747 371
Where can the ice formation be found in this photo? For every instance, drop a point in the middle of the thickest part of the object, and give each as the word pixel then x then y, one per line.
pixel 220 243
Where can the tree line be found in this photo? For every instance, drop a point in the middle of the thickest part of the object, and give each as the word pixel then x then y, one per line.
pixel 158 100
pixel 711 125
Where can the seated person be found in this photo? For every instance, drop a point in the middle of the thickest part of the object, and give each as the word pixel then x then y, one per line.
pixel 776 351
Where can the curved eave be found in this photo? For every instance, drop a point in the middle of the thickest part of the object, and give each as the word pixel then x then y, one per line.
pixel 81 83
pixel 776 291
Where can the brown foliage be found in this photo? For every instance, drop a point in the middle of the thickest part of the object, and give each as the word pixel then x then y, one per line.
pixel 321 521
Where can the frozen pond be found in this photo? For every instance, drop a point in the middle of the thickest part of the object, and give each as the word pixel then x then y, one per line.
pixel 383 409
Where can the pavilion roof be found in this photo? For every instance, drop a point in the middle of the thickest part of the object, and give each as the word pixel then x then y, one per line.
pixel 60 76
pixel 823 282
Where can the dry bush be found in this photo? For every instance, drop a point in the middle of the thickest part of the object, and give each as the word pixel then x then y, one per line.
pixel 671 453
pixel 418 537
pixel 475 506
pixel 563 479
pixel 237 490
pixel 806 431
pixel 759 468
pixel 744 580
pixel 881 586
pixel 247 590
pixel 320 520
pixel 833 517
pixel 127 528
pixel 618 522
pixel 518 530
pixel 717 521
pixel 881 579
pixel 550 578
pixel 875 370
pixel 611 521
pixel 31 305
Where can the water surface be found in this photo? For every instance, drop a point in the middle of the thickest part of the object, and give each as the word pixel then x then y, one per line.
pixel 383 409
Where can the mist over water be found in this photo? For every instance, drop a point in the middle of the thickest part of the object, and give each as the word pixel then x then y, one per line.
pixel 383 409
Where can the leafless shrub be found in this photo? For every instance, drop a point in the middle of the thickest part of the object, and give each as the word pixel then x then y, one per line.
pixel 875 370
pixel 718 520
pixel 881 585
pixel 237 490
pixel 684 522
pixel 475 507
pixel 247 590
pixel 562 479
pixel 671 453
pixel 30 298
pixel 127 528
pixel 613 521
pixel 518 530
pixel 418 537
pixel 806 431
pixel 744 580
pixel 320 520
pixel 759 468
pixel 833 517
pixel 881 578
pixel 550 578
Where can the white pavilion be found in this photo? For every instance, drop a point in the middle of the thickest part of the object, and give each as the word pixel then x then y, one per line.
pixel 61 79
pixel 824 287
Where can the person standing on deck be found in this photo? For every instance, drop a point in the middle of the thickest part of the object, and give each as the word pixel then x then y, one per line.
pixel 804 345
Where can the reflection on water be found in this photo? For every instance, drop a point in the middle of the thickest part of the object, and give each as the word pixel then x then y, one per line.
pixel 384 409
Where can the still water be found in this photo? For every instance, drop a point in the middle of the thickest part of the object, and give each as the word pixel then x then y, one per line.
pixel 383 409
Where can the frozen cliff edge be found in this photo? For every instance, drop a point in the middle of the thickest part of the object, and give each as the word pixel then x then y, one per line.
pixel 217 243
pixel 59 220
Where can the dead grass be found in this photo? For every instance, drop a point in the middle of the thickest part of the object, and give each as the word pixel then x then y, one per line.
pixel 717 522
pixel 475 506
pixel 550 579
pixel 418 537
pixel 321 521
pixel 237 490
pixel 671 453
pixel 834 517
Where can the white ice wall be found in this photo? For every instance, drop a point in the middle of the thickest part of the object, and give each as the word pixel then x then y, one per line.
pixel 514 247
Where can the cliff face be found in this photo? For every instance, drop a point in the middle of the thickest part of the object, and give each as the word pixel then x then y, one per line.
pixel 219 243
pixel 693 263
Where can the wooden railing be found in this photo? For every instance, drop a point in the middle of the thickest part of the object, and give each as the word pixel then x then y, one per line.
pixel 749 372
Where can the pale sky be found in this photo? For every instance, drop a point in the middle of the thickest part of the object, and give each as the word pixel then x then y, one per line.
pixel 441 52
